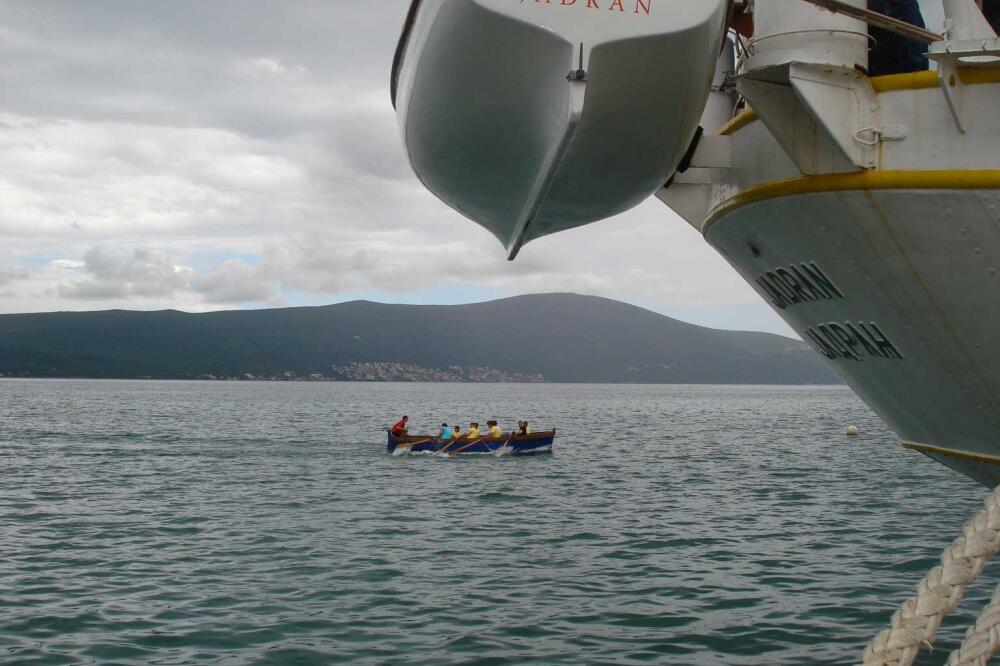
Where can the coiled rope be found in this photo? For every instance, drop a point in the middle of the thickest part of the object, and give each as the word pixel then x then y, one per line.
pixel 914 625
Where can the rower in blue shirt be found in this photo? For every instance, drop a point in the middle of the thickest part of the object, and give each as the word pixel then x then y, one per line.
pixel 445 432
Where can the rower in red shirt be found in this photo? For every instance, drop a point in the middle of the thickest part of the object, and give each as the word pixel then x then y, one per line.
pixel 399 428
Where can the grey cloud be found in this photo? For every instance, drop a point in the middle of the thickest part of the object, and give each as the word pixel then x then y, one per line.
pixel 8 275
pixel 139 273
pixel 92 290
pixel 186 63
pixel 222 119
pixel 145 273
pixel 367 138
pixel 322 263
pixel 234 282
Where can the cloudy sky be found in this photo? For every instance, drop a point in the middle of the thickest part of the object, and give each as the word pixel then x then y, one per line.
pixel 216 154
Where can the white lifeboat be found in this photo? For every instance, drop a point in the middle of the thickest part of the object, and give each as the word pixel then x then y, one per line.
pixel 535 116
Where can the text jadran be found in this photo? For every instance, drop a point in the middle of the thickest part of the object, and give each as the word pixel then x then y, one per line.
pixel 641 7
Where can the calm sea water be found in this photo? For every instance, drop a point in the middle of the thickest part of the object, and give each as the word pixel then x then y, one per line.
pixel 243 523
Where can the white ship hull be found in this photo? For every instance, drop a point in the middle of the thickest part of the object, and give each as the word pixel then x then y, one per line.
pixel 911 250
pixel 899 289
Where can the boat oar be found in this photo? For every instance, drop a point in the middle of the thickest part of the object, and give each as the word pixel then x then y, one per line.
pixel 459 450
pixel 407 445
pixel 448 445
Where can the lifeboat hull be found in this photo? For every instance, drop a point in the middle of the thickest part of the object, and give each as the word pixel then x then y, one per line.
pixel 536 117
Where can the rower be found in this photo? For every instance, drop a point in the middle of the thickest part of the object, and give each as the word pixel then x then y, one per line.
pixel 445 432
pixel 473 431
pixel 458 433
pixel 399 427
pixel 494 429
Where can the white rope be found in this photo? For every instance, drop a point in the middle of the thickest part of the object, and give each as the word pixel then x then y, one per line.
pixel 982 640
pixel 914 625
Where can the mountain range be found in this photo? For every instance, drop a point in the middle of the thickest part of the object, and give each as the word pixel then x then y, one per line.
pixel 541 337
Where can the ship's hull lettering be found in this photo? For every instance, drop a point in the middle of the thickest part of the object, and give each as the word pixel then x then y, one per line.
pixel 798 283
pixel 853 341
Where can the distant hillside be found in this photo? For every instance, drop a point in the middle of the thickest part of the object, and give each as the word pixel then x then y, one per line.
pixel 544 337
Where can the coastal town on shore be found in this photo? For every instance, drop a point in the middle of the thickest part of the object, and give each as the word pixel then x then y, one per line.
pixel 363 372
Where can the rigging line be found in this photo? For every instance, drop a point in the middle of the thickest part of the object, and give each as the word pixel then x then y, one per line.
pixel 893 25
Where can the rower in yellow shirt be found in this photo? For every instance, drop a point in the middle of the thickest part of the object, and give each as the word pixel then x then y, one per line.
pixel 494 429
pixel 473 432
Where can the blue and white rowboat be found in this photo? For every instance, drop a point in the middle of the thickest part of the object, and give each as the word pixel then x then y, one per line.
pixel 537 442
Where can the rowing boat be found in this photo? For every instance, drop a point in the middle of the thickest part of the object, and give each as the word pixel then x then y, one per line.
pixel 537 442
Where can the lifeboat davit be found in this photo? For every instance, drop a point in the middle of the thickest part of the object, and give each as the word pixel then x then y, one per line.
pixel 535 116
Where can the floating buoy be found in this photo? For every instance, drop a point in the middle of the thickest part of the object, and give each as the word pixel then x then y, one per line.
pixel 852 431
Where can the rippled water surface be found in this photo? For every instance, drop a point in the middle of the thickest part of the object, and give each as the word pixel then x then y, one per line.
pixel 239 523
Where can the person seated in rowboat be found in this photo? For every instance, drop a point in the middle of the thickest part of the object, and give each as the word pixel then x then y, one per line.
pixel 494 429
pixel 473 431
pixel 399 427
pixel 457 434
pixel 523 428
pixel 445 432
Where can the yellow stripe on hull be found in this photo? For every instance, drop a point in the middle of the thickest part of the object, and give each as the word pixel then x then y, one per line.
pixel 988 179
pixel 951 453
